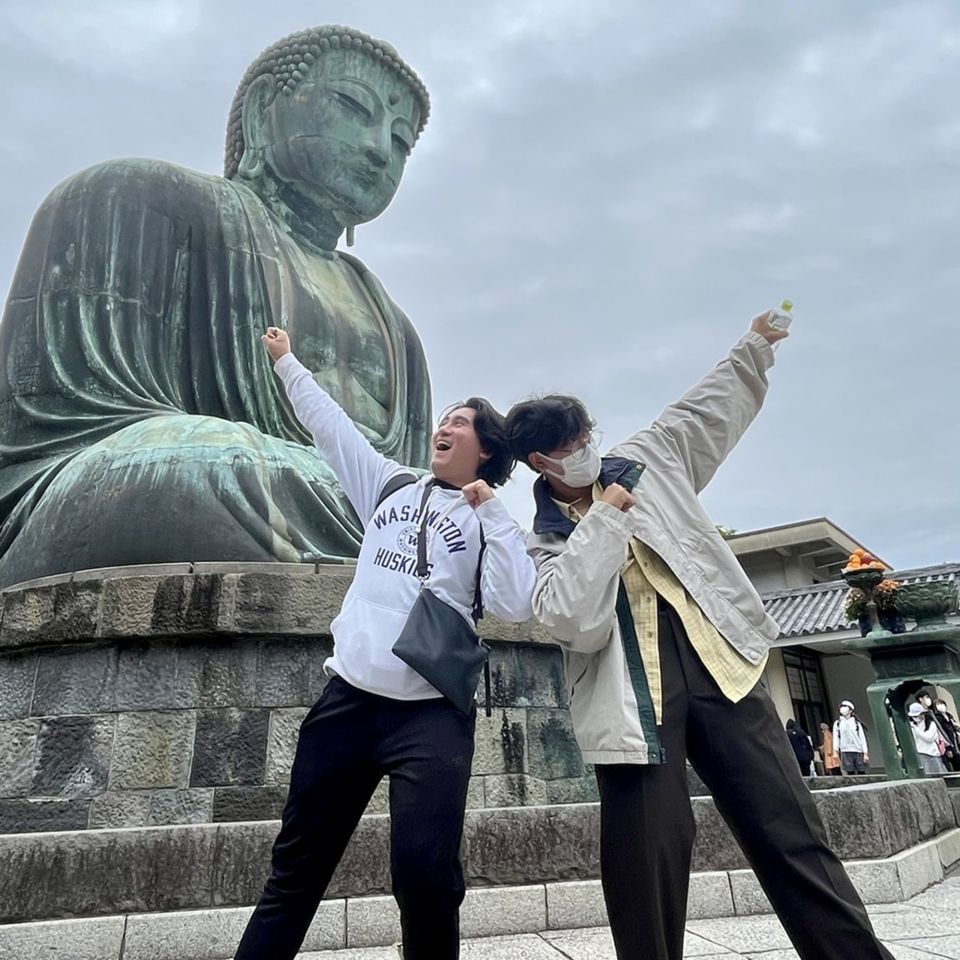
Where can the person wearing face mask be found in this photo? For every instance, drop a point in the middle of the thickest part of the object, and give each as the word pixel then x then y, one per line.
pixel 939 712
pixel 927 739
pixel 850 740
pixel 664 641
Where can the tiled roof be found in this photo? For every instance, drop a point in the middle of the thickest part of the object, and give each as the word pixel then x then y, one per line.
pixel 809 611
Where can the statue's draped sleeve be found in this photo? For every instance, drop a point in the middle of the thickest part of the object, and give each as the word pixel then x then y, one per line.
pixel 142 292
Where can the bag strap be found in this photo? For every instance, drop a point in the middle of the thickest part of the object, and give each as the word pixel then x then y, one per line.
pixel 477 612
pixel 422 569
pixel 397 482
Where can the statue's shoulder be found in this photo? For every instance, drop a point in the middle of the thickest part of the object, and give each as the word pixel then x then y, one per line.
pixel 156 183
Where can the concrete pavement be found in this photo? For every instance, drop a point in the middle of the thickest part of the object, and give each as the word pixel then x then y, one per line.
pixel 923 928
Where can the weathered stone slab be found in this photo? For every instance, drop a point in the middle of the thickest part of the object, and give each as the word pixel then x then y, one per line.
pixel 514 790
pixel 575 904
pixel 871 821
pixel 75 680
pixel 230 748
pixel 500 742
pixel 240 862
pixel 919 868
pixel 73 756
pixel 120 809
pixel 574 789
pixel 96 872
pixel 214 934
pixel 553 750
pixel 50 615
pixel 135 606
pixel 180 806
pixel 147 676
pixel 189 867
pixel 510 846
pixel 17 674
pixel 526 675
pixel 372 921
pixel 198 604
pixel 88 939
pixel 476 793
pixel 133 570
pixel 499 911
pixel 33 816
pixel 248 803
pixel 282 743
pixel 152 750
pixel 289 603
pixel 18 744
pixel 365 867
pixel 216 673
pixel 283 671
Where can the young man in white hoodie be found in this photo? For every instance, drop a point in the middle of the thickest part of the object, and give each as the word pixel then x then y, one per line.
pixel 377 717
pixel 665 641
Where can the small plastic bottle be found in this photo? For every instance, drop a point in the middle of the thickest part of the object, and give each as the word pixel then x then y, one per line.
pixel 782 317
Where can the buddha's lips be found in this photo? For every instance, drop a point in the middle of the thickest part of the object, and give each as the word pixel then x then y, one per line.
pixel 367 176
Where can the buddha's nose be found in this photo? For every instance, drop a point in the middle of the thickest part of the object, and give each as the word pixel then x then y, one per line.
pixel 376 146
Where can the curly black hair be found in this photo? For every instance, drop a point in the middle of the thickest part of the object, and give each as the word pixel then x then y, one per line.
pixel 490 427
pixel 545 423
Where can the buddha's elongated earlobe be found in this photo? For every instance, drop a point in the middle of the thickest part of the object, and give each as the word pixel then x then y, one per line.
pixel 351 235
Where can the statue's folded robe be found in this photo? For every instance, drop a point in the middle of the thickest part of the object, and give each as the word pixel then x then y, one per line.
pixel 140 421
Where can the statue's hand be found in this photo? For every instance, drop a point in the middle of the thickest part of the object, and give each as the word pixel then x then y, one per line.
pixel 277 343
pixel 478 492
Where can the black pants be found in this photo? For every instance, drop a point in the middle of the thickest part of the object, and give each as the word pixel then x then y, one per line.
pixel 348 742
pixel 647 827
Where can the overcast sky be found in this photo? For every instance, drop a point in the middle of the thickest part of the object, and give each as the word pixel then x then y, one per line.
pixel 605 194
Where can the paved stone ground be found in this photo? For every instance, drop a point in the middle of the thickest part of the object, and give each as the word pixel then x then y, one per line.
pixel 928 926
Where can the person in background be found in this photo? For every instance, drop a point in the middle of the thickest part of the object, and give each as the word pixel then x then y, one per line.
pixel 926 738
pixel 946 728
pixel 802 746
pixel 831 762
pixel 950 730
pixel 850 740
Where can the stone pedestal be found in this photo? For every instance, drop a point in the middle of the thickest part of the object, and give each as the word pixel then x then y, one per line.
pixel 162 695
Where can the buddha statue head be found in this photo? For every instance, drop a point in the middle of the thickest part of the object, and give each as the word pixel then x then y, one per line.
pixel 321 128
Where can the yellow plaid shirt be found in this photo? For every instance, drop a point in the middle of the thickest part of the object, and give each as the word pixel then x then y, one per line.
pixel 644 576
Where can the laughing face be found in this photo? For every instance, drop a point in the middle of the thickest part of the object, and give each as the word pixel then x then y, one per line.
pixel 457 453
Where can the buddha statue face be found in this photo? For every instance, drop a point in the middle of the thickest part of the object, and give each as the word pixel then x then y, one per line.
pixel 339 142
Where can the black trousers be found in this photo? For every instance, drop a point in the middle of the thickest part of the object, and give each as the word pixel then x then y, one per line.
pixel 348 742
pixel 741 753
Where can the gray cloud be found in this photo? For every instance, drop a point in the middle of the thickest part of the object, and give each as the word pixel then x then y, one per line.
pixel 604 196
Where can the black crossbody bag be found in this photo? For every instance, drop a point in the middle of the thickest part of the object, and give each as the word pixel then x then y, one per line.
pixel 436 641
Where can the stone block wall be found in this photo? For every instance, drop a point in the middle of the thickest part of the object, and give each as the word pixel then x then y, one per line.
pixel 173 695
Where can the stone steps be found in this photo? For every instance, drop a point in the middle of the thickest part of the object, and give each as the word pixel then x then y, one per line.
pixel 368 922
pixel 88 873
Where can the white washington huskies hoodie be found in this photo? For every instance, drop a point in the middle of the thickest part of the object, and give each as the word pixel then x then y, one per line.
pixel 385 585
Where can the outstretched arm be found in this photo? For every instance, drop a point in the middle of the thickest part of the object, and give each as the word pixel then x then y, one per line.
pixel 361 470
pixel 703 426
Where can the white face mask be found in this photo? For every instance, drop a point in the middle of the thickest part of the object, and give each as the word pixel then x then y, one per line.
pixel 844 711
pixel 578 469
pixel 942 707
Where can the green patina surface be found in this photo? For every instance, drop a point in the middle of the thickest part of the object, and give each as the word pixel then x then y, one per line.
pixel 140 420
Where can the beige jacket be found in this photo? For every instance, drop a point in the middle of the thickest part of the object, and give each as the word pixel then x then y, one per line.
pixel 578 578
